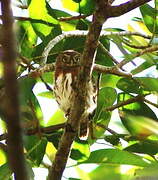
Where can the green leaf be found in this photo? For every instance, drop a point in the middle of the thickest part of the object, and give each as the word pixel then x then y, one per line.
pixel 38 50
pixel 116 156
pixel 134 109
pixel 149 17
pixel 80 150
pixel 148 83
pixel 107 97
pixel 129 85
pixel 57 118
pixel 5 172
pixel 29 105
pixel 105 171
pixel 27 38
pixel 57 14
pixel 146 147
pixel 54 138
pixel 145 65
pixel 46 94
pixel 109 80
pixel 26 85
pixel 140 126
pixel 84 6
pixel 41 14
pixel 35 147
pixel 147 173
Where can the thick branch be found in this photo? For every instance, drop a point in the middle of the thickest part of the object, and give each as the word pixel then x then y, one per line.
pixel 80 91
pixel 115 11
pixel 14 138
pixel 98 68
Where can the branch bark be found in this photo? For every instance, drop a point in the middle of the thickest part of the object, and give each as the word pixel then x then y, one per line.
pixel 80 90
pixel 115 11
pixel 14 138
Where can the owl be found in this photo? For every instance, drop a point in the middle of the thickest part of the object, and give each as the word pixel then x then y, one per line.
pixel 67 69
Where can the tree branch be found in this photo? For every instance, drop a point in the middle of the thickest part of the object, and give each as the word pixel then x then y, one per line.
pixel 72 18
pixel 44 130
pixel 14 138
pixel 115 11
pixel 32 20
pixel 80 92
pixel 98 68
pixel 78 33
pixel 147 50
pixel 123 103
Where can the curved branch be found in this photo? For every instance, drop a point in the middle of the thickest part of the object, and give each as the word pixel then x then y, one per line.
pixel 78 33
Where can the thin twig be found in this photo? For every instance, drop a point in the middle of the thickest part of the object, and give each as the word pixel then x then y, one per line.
pixel 147 50
pixel 72 18
pixel 136 47
pixel 123 103
pixel 42 130
pixel 32 20
pixel 151 103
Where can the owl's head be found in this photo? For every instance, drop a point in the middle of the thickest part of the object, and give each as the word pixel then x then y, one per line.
pixel 68 58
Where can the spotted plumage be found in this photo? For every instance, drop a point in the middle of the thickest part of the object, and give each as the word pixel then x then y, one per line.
pixel 67 69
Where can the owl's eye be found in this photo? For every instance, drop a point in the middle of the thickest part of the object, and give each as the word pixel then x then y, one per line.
pixel 66 59
pixel 76 59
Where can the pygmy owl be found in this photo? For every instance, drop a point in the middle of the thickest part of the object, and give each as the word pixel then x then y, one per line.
pixel 67 69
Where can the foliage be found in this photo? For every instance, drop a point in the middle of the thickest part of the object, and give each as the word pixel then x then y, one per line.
pixel 137 120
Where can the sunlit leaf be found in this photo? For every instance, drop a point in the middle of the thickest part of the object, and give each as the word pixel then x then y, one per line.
pixel 139 125
pixel 41 14
pixel 105 171
pixel 147 172
pixel 148 83
pixel 146 147
pixel 3 158
pixel 129 86
pixel 134 109
pixel 109 80
pixel 5 172
pixel 80 150
pixel 27 38
pixel 46 94
pixel 50 151
pixel 149 17
pixel 83 6
pixel 57 118
pixel 116 156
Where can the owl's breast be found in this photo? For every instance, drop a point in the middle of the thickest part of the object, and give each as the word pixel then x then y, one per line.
pixel 63 91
